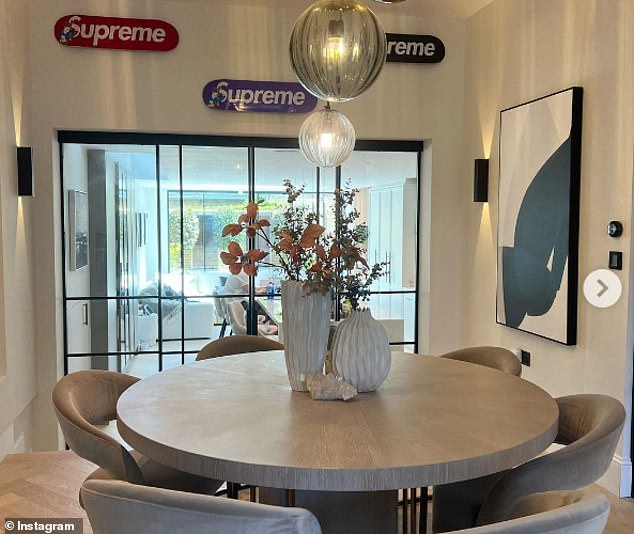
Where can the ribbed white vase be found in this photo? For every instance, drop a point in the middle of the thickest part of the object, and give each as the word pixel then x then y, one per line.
pixel 361 352
pixel 306 320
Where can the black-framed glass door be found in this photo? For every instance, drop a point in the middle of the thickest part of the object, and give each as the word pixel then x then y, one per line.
pixel 154 290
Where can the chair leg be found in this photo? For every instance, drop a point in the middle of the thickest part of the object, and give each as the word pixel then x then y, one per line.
pixel 424 501
pixel 404 517
pixel 232 490
pixel 223 328
pixel 412 510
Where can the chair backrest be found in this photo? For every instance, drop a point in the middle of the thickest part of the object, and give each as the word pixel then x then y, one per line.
pixel 235 314
pixel 496 357
pixel 84 399
pixel 589 426
pixel 237 344
pixel 116 506
pixel 219 305
pixel 554 513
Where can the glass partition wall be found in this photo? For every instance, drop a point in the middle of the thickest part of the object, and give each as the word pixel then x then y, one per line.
pixel 153 290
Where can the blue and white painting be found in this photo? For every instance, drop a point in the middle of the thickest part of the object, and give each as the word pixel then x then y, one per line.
pixel 538 216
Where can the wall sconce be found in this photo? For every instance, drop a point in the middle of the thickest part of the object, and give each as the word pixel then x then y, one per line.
pixel 481 180
pixel 25 171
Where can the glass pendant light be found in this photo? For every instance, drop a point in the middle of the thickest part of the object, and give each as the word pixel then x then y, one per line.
pixel 327 137
pixel 337 49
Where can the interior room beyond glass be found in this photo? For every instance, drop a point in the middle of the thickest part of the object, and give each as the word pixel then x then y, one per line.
pixel 144 285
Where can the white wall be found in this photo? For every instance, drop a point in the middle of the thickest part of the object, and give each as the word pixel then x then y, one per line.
pixel 516 50
pixel 161 92
pixel 519 50
pixel 18 385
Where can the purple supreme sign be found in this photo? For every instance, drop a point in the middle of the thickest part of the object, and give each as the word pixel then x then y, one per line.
pixel 251 95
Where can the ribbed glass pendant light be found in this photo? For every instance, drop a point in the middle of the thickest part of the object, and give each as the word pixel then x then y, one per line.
pixel 327 137
pixel 337 49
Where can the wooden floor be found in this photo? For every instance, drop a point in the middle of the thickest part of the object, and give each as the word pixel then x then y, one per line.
pixel 46 484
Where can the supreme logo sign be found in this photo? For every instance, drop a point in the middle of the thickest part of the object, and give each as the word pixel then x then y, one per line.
pixel 115 32
pixel 405 48
pixel 250 95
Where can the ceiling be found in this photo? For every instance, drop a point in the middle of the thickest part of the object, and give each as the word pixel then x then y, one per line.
pixel 426 8
pixel 440 8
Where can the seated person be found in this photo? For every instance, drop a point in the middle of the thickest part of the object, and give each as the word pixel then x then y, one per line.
pixel 238 284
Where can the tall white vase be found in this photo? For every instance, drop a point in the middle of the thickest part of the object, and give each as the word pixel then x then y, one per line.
pixel 361 352
pixel 306 320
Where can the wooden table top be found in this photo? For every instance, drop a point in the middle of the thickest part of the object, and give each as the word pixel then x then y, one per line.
pixel 432 421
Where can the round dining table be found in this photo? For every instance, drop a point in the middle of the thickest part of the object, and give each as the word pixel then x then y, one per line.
pixel 433 421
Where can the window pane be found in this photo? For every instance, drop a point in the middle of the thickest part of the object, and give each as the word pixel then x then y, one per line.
pixel 154 290
pixel 387 201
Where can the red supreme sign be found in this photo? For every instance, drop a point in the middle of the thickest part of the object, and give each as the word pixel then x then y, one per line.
pixel 115 32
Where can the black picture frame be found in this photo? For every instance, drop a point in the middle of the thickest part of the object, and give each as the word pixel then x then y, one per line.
pixel 538 216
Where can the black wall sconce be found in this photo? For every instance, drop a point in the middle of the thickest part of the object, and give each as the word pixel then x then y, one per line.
pixel 25 171
pixel 481 180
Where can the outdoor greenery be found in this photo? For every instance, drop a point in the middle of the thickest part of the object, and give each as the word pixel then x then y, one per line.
pixel 203 221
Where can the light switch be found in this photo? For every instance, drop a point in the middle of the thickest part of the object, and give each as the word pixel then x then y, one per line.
pixel 616 260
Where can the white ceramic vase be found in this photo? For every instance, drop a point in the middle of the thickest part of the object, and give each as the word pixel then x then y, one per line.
pixel 306 320
pixel 361 352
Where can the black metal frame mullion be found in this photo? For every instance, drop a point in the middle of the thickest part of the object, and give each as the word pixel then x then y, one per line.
pixel 337 295
pixel 64 266
pixel 181 207
pixel 157 171
pixel 251 315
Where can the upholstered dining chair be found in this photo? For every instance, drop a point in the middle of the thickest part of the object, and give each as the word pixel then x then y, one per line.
pixel 575 512
pixel 496 357
pixel 115 506
pixel 237 344
pixel 589 429
pixel 85 399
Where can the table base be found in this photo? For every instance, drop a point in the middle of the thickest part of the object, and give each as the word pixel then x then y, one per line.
pixel 343 512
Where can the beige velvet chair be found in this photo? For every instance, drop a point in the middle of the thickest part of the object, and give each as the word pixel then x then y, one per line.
pixel 589 426
pixel 496 357
pixel 554 513
pixel 85 399
pixel 237 344
pixel 116 507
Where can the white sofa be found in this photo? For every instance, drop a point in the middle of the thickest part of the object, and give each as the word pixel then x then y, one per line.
pixel 198 320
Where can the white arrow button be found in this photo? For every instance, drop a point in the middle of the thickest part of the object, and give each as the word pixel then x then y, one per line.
pixel 602 288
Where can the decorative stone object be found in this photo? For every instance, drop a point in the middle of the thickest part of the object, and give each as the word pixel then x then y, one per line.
pixel 306 323
pixel 328 387
pixel 361 352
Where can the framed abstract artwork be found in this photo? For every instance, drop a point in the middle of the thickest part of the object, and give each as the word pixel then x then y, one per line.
pixel 78 229
pixel 538 215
